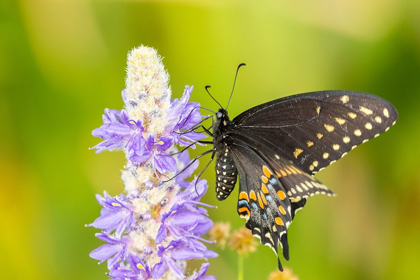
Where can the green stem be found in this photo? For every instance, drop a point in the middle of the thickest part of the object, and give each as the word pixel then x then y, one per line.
pixel 240 267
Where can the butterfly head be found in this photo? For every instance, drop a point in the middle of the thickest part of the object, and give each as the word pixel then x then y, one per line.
pixel 220 127
pixel 222 120
pixel 222 114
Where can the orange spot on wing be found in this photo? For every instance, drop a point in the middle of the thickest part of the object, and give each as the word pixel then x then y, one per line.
pixel 264 188
pixel 279 221
pixel 281 194
pixel 260 201
pixel 267 171
pixel 243 195
pixel 264 179
pixel 278 174
pixel 244 209
pixel 263 199
pixel 252 195
pixel 282 210
pixel 283 173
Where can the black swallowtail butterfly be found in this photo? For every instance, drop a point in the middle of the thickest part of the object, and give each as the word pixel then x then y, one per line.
pixel 277 147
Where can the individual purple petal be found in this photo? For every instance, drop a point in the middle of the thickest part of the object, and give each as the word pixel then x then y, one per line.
pixel 159 269
pixel 163 163
pixel 164 143
pixel 193 249
pixel 124 96
pixel 175 269
pixel 200 275
pixel 104 252
pixel 150 142
pixel 162 234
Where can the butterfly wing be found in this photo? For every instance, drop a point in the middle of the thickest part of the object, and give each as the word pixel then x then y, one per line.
pixel 263 200
pixel 313 130
pixel 297 183
pixel 277 146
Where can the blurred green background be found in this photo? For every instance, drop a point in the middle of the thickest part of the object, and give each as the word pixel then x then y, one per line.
pixel 62 62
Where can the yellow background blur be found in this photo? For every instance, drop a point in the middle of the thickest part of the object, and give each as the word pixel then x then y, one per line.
pixel 62 62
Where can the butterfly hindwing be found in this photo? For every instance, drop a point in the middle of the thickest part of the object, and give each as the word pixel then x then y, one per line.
pixel 263 201
pixel 315 129
pixel 297 183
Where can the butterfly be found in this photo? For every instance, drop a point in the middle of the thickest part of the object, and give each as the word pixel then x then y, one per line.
pixel 275 149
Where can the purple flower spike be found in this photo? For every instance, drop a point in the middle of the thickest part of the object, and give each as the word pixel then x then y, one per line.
pixel 152 230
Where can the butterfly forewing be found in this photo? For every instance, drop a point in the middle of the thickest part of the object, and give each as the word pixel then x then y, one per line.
pixel 315 129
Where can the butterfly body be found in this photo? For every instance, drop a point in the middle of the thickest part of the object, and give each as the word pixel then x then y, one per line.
pixel 275 149
pixel 226 172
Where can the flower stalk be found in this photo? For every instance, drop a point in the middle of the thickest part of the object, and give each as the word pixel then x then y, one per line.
pixel 157 224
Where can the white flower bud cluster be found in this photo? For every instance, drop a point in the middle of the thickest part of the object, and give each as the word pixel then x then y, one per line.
pixel 148 93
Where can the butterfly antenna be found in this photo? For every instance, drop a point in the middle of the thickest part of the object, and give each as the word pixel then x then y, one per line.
pixel 207 109
pixel 207 89
pixel 234 81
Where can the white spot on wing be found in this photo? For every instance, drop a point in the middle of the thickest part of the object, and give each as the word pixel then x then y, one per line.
pixel 352 115
pixel 297 152
pixel 386 113
pixel 368 126
pixel 344 99
pixel 365 110
pixel 357 132
pixel 329 128
pixel 340 121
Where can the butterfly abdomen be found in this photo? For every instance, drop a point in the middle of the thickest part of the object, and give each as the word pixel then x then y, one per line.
pixel 226 175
